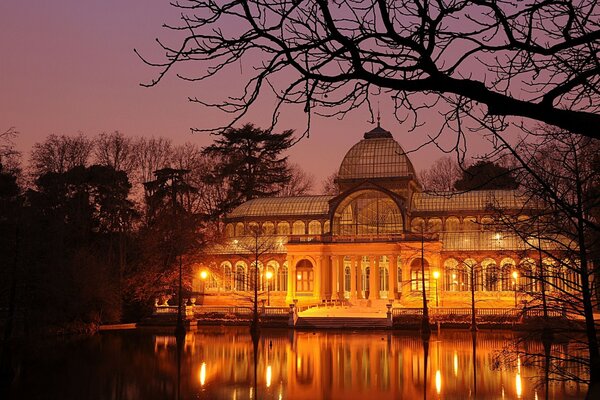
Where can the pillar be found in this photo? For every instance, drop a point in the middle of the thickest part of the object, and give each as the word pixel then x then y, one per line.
pixel 291 287
pixel 353 279
pixel 360 294
pixel 374 278
pixel 341 277
pixel 392 276
pixel 333 268
pixel 318 276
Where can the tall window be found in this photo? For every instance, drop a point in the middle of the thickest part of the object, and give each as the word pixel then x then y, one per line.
pixel 347 279
pixel 283 278
pixel 227 276
pixel 416 281
pixel 304 276
pixel 240 278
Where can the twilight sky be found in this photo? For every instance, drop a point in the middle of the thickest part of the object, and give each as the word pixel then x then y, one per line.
pixel 69 66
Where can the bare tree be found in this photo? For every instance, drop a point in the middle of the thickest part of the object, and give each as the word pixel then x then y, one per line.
pixel 441 176
pixel 329 186
pixel 151 154
pixel 300 183
pixel 60 153
pixel 115 150
pixel 540 57
pixel 10 157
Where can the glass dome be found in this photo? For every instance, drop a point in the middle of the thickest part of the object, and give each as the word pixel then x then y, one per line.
pixel 378 155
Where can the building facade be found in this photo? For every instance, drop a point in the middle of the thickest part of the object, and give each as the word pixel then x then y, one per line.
pixel 380 239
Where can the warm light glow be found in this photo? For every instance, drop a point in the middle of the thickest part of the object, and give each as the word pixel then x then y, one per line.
pixel 269 275
pixel 497 236
pixel 518 385
pixel 438 381
pixel 203 274
pixel 455 364
pixel 268 376
pixel 515 274
pixel 436 274
pixel 299 276
pixel 453 276
pixel 202 374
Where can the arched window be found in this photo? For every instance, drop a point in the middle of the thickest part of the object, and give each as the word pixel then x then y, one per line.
pixel 304 276
pixel 268 228
pixel 491 275
pixel 453 279
pixel 507 266
pixel 434 225
pixel 472 267
pixel 529 272
pixel 270 276
pixel 229 230
pixel 227 275
pixel 239 229
pixel 367 213
pixel 299 228
pixel 240 282
pixel 326 227
pixel 384 277
pixel 283 228
pixel 417 224
pixel 416 276
pixel 347 277
pixel 283 278
pixel 470 224
pixel 314 228
pixel 452 224
pixel 364 265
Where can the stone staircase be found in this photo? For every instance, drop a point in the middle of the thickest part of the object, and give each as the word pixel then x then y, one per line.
pixel 341 323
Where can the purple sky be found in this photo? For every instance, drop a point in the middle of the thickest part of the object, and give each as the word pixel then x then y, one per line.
pixel 69 66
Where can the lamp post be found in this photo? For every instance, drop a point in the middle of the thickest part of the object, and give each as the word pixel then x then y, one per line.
pixel 436 276
pixel 515 276
pixel 269 276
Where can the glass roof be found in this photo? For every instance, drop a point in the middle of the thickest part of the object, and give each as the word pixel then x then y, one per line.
pixel 378 157
pixel 477 241
pixel 478 200
pixel 283 206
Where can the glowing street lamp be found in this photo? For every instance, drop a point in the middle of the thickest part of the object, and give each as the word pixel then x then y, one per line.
pixel 515 276
pixel 269 276
pixel 203 274
pixel 436 276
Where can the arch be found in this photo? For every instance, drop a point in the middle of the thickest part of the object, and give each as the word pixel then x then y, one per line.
pixel 326 227
pixel 470 224
pixel 455 277
pixel 416 224
pixel 253 228
pixel 227 271
pixel 241 277
pixel 304 276
pixel 283 228
pixel 452 224
pixel 507 266
pixel 239 229
pixel 490 275
pixel 347 277
pixel 434 224
pixel 487 223
pixel 417 266
pixel 270 284
pixel 268 228
pixel 368 212
pixel 528 271
pixel 229 230
pixel 471 266
pixel 282 274
pixel 314 227
pixel 299 228
pixel 548 273
pixel 384 277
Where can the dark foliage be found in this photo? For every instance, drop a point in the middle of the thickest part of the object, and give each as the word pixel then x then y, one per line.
pixel 486 175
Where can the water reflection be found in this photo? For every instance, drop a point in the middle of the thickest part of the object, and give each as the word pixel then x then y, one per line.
pixel 225 363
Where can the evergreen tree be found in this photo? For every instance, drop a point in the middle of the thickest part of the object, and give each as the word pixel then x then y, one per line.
pixel 250 163
pixel 486 175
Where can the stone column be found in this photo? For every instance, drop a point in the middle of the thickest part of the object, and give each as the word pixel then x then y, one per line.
pixel 291 279
pixel 374 278
pixel 333 271
pixel 392 276
pixel 318 276
pixel 353 279
pixel 406 284
pixel 341 277
pixel 359 279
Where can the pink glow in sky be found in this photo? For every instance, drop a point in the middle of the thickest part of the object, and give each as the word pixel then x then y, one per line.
pixel 68 66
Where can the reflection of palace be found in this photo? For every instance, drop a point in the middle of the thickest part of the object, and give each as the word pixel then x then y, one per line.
pixel 368 242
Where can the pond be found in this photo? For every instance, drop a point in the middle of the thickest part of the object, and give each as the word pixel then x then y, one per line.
pixel 220 363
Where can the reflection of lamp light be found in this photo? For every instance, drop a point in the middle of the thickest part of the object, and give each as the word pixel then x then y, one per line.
pixel 436 275
pixel 455 363
pixel 268 376
pixel 438 381
pixel 202 374
pixel 518 383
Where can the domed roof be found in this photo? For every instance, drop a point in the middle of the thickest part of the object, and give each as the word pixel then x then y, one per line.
pixel 378 155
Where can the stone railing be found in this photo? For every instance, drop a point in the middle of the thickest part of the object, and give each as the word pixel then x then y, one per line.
pixel 466 311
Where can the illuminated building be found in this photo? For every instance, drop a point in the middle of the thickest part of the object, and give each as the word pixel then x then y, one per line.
pixel 366 244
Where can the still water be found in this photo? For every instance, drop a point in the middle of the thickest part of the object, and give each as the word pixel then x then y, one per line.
pixel 221 363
